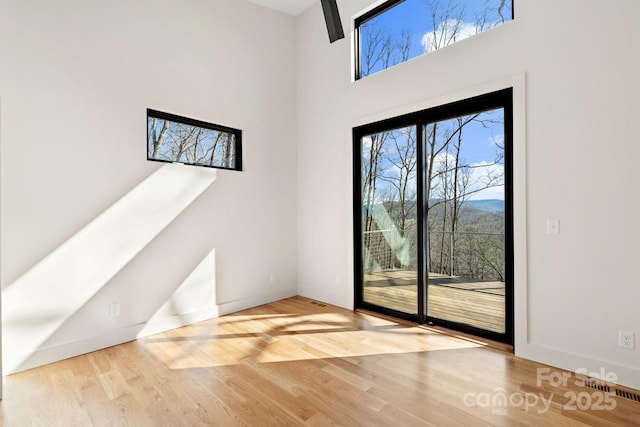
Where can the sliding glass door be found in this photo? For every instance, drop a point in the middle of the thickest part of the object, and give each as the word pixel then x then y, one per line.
pixel 432 215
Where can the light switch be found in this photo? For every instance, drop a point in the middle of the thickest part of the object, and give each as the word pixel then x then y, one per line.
pixel 553 226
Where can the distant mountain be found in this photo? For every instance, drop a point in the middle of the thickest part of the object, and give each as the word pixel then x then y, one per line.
pixel 489 205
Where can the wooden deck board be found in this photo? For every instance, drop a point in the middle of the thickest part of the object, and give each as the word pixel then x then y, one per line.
pixel 472 302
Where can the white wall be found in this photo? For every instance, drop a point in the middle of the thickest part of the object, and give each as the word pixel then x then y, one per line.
pixel 87 221
pixel 577 149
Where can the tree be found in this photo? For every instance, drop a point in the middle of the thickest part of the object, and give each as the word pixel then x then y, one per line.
pixel 401 177
pixel 157 140
pixel 447 22
pixel 452 181
pixel 443 173
pixel 389 158
pixel 381 49
pixel 452 20
pixel 180 142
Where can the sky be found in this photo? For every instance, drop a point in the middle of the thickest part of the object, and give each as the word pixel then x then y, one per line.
pixel 415 16
pixel 479 150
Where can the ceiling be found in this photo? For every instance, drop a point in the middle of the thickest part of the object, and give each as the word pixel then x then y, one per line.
pixel 291 7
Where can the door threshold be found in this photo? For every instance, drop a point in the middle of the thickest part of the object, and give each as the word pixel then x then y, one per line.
pixel 444 331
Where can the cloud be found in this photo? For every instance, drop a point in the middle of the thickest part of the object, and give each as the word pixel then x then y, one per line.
pixel 448 32
pixel 366 142
pixel 483 174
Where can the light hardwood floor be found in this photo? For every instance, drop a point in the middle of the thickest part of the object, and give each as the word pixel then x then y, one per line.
pixel 298 362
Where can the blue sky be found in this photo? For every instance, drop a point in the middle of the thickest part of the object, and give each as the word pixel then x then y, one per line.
pixel 415 16
pixel 480 150
pixel 481 143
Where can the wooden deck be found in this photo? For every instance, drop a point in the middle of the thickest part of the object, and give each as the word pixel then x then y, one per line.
pixel 472 302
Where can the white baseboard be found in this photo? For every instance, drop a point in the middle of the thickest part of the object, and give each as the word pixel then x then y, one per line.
pixel 157 326
pixel 254 301
pixel 20 362
pixel 45 355
pixel 326 297
pixel 626 375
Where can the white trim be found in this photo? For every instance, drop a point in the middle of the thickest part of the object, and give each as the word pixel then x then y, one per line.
pixel 255 301
pixel 367 9
pixel 628 376
pixel 327 297
pixel 1 370
pixel 45 355
pixel 518 83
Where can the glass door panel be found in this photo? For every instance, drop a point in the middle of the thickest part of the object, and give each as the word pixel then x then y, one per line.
pixel 389 219
pixel 465 220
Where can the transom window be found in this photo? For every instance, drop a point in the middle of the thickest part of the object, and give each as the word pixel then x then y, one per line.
pixel 399 30
pixel 177 139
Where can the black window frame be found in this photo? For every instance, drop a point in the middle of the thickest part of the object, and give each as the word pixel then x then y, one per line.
pixel 498 99
pixel 362 19
pixel 237 133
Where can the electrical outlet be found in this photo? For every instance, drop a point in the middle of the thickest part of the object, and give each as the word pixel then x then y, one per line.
pixel 553 226
pixel 273 277
pixel 114 309
pixel 626 339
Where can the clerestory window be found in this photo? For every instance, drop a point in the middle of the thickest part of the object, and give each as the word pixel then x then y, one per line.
pixel 176 139
pixel 399 30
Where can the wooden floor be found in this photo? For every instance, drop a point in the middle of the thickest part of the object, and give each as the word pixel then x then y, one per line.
pixel 472 302
pixel 297 362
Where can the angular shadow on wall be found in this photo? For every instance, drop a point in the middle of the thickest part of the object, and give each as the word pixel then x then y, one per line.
pixel 197 293
pixel 171 305
pixel 39 302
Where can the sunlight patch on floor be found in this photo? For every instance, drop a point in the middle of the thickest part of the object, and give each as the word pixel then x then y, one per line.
pixel 240 339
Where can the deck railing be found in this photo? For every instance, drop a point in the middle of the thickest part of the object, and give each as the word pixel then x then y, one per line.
pixel 477 255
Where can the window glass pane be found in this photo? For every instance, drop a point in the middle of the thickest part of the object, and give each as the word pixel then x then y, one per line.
pixel 415 27
pixel 466 220
pixel 389 240
pixel 178 139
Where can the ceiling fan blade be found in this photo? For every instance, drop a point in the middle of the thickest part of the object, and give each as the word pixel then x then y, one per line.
pixel 332 18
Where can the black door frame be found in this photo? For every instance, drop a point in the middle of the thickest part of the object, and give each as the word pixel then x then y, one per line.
pixel 494 100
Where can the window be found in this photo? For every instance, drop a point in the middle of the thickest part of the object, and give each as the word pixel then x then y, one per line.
pixel 399 30
pixel 176 139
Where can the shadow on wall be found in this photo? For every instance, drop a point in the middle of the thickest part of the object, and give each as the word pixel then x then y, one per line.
pixel 41 301
pixel 164 308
